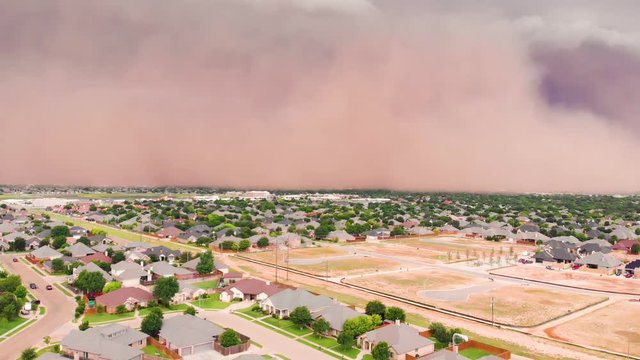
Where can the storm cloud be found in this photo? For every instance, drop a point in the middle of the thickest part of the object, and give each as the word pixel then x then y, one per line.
pixel 415 95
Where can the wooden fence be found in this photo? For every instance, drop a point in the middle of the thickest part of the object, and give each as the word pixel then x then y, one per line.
pixel 226 351
pixel 165 350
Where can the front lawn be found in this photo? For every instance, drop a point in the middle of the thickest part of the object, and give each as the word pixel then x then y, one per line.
pixel 210 284
pixel 287 325
pixel 152 350
pixel 351 352
pixel 327 342
pixel 250 312
pixel 6 326
pixel 473 353
pixel 47 349
pixel 104 317
pixel 367 357
pixel 173 308
pixel 212 302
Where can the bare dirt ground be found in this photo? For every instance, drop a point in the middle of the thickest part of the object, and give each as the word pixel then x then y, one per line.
pixel 307 253
pixel 578 278
pixel 614 327
pixel 522 344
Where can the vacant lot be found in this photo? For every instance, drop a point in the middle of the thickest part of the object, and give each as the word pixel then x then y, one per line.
pixel 350 266
pixel 576 278
pixel 522 305
pixel 408 284
pixel 309 253
pixel 613 327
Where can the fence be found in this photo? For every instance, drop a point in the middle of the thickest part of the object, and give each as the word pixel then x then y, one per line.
pixel 493 350
pixel 165 350
pixel 243 346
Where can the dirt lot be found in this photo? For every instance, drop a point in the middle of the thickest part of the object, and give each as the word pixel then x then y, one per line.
pixel 307 253
pixel 576 278
pixel 521 305
pixel 351 266
pixel 618 324
pixel 408 284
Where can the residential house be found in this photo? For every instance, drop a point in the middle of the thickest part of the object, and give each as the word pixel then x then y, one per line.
pixel 230 278
pixel 163 253
pixel 170 232
pixel 284 302
pixel 45 253
pixel 130 297
pixel 597 260
pixel 402 340
pixel 249 289
pixel 109 342
pixel 79 250
pixel 90 267
pixel 77 232
pixel 187 334
pixel 335 315
pixel 187 292
pixel 128 273
pixel 164 269
pixel 340 235
pixel 95 257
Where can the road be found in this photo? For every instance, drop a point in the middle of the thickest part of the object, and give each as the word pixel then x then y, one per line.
pixel 59 313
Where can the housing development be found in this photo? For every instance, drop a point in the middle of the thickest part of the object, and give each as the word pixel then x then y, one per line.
pixel 347 275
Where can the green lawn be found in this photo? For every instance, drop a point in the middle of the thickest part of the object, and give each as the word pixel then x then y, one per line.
pixel 287 325
pixel 367 357
pixel 210 284
pixel 249 312
pixel 212 302
pixel 45 350
pixel 6 326
pixel 42 310
pixel 350 353
pixel 104 317
pixel 122 234
pixel 281 332
pixel 327 342
pixel 174 308
pixel 152 350
pixel 37 271
pixel 473 353
pixel 63 289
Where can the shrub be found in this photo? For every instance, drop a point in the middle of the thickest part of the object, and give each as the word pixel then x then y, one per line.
pixel 121 309
pixel 229 338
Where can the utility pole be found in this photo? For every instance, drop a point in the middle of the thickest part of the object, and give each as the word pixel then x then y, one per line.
pixel 327 271
pixel 276 262
pixel 287 262
pixel 493 306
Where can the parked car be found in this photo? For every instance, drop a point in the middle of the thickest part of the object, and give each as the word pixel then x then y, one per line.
pixel 33 286
pixel 24 312
pixel 49 287
pixel 15 259
pixel 575 266
pixel 36 302
pixel 628 275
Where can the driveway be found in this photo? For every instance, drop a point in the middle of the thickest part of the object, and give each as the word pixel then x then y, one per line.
pixel 58 317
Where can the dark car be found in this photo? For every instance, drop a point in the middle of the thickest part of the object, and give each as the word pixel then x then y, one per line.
pixel 15 259
pixel 36 302
pixel 33 286
pixel 49 287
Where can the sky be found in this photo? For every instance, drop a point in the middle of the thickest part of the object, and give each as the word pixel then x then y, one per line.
pixel 428 95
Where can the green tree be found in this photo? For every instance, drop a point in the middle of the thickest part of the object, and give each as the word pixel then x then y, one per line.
pixel 244 244
pixel 358 325
pixel 28 354
pixel 84 325
pixel 151 324
pixel 322 231
pixel 394 313
pixel 121 309
pixel 90 281
pixel 84 240
pixel 10 283
pixel 19 244
pixel 229 338
pixel 398 230
pixel 381 351
pixel 58 242
pixel 103 265
pixel 321 327
pixel 111 286
pixel 205 264
pixel 165 289
pixel 263 242
pixel 346 340
pixel 190 311
pixel 20 292
pixel 9 306
pixel 375 307
pixel 301 316
pixel 60 231
pixel 117 257
pixel 635 248
pixel 57 265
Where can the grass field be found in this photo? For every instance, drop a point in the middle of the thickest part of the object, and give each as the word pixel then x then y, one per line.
pixel 618 325
pixel 211 303
pixel 249 312
pixel 303 253
pixel 152 350
pixel 288 326
pixel 122 234
pixel 6 326
pixel 473 353
pixel 210 284
pixel 104 317
pixel 174 308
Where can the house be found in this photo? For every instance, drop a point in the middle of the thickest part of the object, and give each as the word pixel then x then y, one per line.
pixel 90 267
pixel 79 250
pixel 95 257
pixel 162 253
pixel 598 260
pixel 109 342
pixel 230 278
pixel 632 267
pixel 130 297
pixel 401 338
pixel 340 235
pixel 187 292
pixel 249 289
pixel 128 273
pixel 284 302
pixel 77 232
pixel 170 232
pixel 45 253
pixel 335 315
pixel 164 269
pixel 32 243
pixel 187 334
pixel 624 245
pixel 187 237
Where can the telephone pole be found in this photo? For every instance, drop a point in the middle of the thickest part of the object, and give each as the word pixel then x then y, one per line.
pixel 276 262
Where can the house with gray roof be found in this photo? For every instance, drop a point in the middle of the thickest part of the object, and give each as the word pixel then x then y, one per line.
pixel 90 267
pixel 128 273
pixel 187 334
pixel 79 250
pixel 402 339
pixel 109 342
pixel 284 302
pixel 45 253
pixel 598 260
pixel 162 253
pixel 164 269
pixel 340 235
pixel 335 315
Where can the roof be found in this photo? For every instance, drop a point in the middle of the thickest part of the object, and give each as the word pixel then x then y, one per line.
pixel 444 354
pixel 96 257
pixel 336 315
pixel 79 250
pixel 92 267
pixel 46 252
pixel 110 342
pixel 600 260
pixel 163 268
pixel 191 264
pixel 401 337
pixel 170 231
pixel 255 287
pixel 291 299
pixel 340 235
pixel 186 330
pixel 120 296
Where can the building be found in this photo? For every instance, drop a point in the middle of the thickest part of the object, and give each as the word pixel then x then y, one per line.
pixel 249 289
pixel 187 334
pixel 284 302
pixel 130 297
pixel 128 273
pixel 109 342
pixel 402 340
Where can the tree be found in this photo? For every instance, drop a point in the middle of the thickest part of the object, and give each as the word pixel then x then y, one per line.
pixel 111 286
pixel 90 281
pixel 190 311
pixel 229 338
pixel 205 264
pixel 9 306
pixel 263 242
pixel 85 240
pixel 321 327
pixel 121 309
pixel 375 307
pixel 57 265
pixel 28 354
pixel 395 313
pixel 165 289
pixel 151 324
pixel 322 231
pixel 84 325
pixel 20 292
pixel 301 316
pixel 117 257
pixel 10 283
pixel 58 242
pixel 103 265
pixel 244 244
pixel 381 351
pixel 60 231
pixel 635 248
pixel 358 325
pixel 346 340
pixel 19 244
pixel 398 230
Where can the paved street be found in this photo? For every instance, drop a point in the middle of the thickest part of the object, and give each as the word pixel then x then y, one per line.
pixel 59 311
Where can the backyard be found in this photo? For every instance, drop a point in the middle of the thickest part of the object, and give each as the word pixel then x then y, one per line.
pixel 153 351
pixel 206 285
pixel 211 303
pixel 105 317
